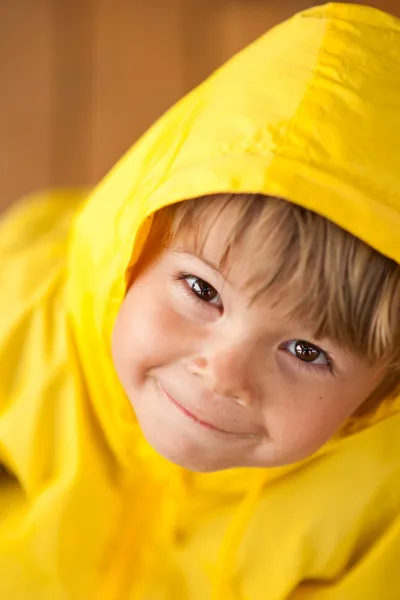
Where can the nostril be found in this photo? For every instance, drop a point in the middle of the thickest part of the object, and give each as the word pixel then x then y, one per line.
pixel 197 366
pixel 200 362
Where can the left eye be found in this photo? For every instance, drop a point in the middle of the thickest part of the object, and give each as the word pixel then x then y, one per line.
pixel 307 352
pixel 203 290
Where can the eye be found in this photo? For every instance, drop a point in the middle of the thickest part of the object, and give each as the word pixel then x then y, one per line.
pixel 201 289
pixel 307 352
pixel 310 354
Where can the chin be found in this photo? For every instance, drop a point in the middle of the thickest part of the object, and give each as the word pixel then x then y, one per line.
pixel 185 452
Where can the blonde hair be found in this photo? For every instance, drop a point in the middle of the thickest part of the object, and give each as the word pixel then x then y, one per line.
pixel 347 290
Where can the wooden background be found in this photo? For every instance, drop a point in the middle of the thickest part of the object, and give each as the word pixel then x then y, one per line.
pixel 82 79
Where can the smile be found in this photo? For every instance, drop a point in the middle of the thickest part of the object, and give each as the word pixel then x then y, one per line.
pixel 191 416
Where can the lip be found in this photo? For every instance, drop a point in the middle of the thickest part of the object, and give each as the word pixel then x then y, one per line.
pixel 191 416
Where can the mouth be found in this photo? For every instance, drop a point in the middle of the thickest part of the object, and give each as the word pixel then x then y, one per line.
pixel 191 416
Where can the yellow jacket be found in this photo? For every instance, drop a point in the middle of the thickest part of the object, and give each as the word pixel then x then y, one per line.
pixel 311 113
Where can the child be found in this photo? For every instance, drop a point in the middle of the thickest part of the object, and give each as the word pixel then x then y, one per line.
pixel 229 301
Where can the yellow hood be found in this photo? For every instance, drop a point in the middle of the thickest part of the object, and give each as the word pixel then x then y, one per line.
pixel 311 113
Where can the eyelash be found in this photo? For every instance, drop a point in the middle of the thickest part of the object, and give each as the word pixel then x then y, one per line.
pixel 329 367
pixel 182 277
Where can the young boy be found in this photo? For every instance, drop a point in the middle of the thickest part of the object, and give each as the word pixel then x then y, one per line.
pixel 229 301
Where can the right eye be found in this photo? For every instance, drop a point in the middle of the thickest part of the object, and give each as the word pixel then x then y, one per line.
pixel 201 289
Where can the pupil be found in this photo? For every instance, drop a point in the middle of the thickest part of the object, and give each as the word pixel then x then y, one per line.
pixel 306 351
pixel 202 289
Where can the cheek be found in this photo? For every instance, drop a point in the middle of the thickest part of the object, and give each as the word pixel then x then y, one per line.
pixel 148 333
pixel 301 427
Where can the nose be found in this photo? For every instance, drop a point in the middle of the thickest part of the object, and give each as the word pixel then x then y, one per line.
pixel 227 371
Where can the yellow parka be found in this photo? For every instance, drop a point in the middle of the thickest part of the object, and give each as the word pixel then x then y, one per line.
pixel 311 113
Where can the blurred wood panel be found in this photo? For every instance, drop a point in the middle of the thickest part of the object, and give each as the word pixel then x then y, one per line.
pixel 26 97
pixel 82 80
pixel 72 86
pixel 138 72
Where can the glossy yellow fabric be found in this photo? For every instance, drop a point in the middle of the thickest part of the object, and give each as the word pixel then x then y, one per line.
pixel 311 113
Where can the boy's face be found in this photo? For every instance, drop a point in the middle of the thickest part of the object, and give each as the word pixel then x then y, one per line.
pixel 218 380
